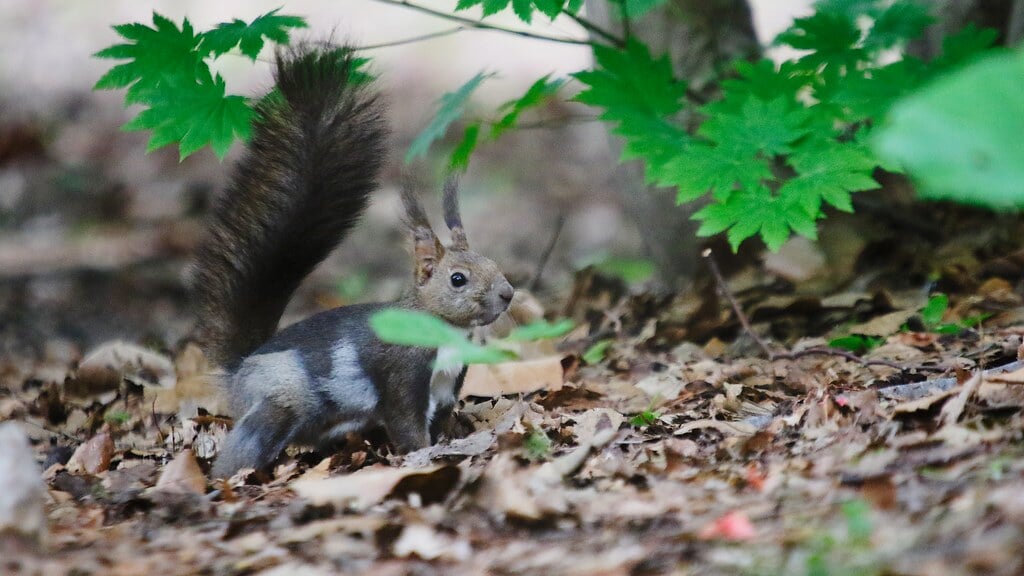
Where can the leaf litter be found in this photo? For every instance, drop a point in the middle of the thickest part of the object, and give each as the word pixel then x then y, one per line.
pixel 683 446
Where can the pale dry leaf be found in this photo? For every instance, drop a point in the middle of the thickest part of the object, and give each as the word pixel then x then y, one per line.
pixel 182 475
pixel 586 426
pixel 661 388
pixel 94 455
pixel 884 325
pixel 520 377
pixel 952 410
pixel 131 361
pixel 22 491
pixel 368 486
pixel 738 428
pixel 427 544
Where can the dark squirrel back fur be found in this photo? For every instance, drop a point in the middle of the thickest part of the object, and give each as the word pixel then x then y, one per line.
pixel 307 175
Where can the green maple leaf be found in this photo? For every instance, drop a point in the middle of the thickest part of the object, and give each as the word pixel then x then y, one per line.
pixel 450 108
pixel 194 116
pixel 828 171
pixel 868 95
pixel 249 37
pixel 704 168
pixel 639 95
pixel 630 81
pixel 159 55
pixel 756 211
pixel 523 9
pixel 964 46
pixel 760 127
pixel 902 21
pixel 761 79
pixel 831 37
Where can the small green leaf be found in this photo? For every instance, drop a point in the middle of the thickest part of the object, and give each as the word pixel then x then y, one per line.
pixel 536 94
pixel 450 108
pixel 536 445
pixel 250 37
pixel 935 309
pixel 856 343
pixel 596 352
pixel 858 521
pixel 541 330
pixel 644 419
pixel 631 270
pixel 414 328
pixel 459 160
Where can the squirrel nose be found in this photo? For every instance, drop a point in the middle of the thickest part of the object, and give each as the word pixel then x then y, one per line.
pixel 505 292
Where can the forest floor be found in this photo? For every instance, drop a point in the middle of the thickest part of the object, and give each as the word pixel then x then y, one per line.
pixel 674 439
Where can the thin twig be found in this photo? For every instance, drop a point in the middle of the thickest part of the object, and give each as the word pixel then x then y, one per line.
pixel 546 254
pixel 724 289
pixel 596 30
pixel 413 39
pixel 483 25
pixel 818 351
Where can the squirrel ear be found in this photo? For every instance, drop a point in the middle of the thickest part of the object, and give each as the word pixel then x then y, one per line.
pixel 427 248
pixel 451 214
pixel 428 252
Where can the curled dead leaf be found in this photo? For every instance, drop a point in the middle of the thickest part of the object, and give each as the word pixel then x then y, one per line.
pixel 368 486
pixel 521 377
pixel 182 475
pixel 104 367
pixel 94 455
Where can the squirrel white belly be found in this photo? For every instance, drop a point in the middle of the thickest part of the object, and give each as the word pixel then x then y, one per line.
pixel 307 176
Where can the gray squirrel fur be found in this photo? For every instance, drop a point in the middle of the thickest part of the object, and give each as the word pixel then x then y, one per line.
pixel 305 179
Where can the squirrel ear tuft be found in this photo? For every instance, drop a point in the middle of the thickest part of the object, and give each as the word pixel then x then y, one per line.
pixel 451 214
pixel 427 248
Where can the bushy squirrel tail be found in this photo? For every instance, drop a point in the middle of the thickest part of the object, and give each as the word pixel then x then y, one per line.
pixel 306 177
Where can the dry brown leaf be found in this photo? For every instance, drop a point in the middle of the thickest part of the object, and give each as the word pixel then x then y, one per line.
pixel 182 475
pixel 521 377
pixel 884 325
pixel 368 486
pixel 952 410
pixel 115 360
pixel 738 428
pixel 94 455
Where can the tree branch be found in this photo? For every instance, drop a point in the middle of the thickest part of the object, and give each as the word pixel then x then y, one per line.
pixel 413 39
pixel 597 30
pixel 469 22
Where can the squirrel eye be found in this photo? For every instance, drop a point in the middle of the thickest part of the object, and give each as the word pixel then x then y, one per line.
pixel 458 279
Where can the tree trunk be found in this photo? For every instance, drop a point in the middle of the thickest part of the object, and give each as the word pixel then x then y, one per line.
pixel 700 36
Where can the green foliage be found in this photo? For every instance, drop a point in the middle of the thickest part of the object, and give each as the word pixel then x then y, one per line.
pixel 630 270
pixel 168 72
pixel 450 108
pixel 541 330
pixel 415 328
pixel 960 137
pixel 781 142
pixel 524 9
pixel 596 352
pixel 536 444
pixel 933 312
pixel 249 37
pixel 646 418
pixel 857 343
pixel 539 92
pixel 117 417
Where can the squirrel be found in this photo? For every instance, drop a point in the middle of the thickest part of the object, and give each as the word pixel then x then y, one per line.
pixel 308 173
